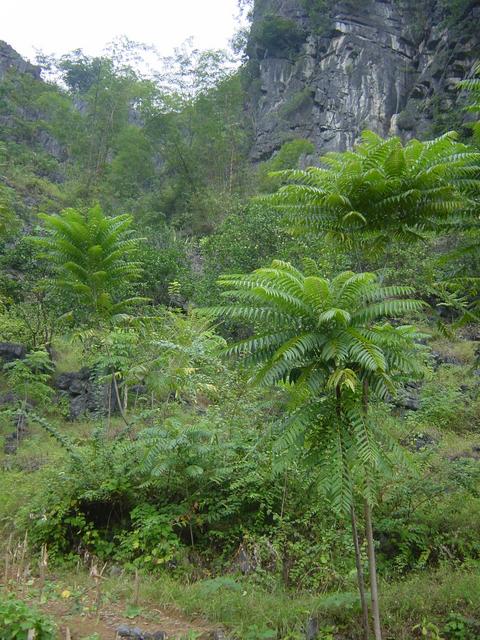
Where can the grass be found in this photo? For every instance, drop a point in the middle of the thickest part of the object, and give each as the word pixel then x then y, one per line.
pixel 67 355
pixel 239 604
pixel 245 609
pixel 459 351
pixel 432 596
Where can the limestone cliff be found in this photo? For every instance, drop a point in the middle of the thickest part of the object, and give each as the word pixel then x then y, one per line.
pixel 10 60
pixel 326 70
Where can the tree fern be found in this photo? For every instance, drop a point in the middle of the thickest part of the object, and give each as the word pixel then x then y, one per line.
pixel 383 189
pixel 95 259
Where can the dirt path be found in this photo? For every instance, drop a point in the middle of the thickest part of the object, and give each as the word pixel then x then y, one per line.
pixel 82 626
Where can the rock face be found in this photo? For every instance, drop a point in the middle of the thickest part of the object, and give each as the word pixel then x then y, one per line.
pixel 10 60
pixel 82 393
pixel 85 394
pixel 326 70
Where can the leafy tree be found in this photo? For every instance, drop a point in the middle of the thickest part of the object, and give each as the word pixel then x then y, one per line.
pixel 131 170
pixel 384 190
pixel 111 94
pixel 19 619
pixel 329 340
pixel 203 140
pixel 95 259
pixel 275 36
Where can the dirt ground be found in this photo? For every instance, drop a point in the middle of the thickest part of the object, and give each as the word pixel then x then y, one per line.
pixel 82 622
pixel 85 625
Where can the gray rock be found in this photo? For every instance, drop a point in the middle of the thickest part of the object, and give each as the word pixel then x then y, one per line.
pixel 135 633
pixel 8 398
pixel 115 571
pixel 445 358
pixel 78 407
pixel 312 629
pixel 64 380
pixel 124 631
pixel 411 403
pixel 384 65
pixel 77 386
pixel 11 444
pixel 10 351
pixel 409 398
pixel 423 441
pixel 84 393
pixel 10 60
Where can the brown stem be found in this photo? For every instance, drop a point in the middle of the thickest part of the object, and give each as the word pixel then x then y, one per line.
pixel 360 576
pixel 358 560
pixel 373 572
pixel 136 588
pixel 119 402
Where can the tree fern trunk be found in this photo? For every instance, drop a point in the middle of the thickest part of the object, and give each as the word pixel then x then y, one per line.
pixel 372 564
pixel 373 572
pixel 360 576
pixel 358 559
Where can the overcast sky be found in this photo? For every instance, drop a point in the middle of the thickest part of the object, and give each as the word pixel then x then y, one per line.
pixel 59 26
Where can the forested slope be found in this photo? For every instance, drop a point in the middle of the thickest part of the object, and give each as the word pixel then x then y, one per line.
pixel 240 398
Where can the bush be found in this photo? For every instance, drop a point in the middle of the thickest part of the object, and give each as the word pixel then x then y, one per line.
pixel 17 619
pixel 276 36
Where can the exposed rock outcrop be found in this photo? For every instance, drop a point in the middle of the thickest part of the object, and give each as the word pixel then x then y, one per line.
pixel 10 60
pixel 10 351
pixel 387 65
pixel 85 394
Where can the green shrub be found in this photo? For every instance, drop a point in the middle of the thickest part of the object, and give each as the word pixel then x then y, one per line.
pixel 276 36
pixel 459 627
pixel 18 618
pixel 287 157
pixel 152 541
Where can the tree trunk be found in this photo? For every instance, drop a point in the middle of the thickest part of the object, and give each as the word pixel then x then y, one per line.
pixel 373 572
pixel 119 401
pixel 358 560
pixel 360 576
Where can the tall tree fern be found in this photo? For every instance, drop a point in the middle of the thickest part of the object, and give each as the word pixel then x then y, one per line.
pixel 331 341
pixel 95 259
pixel 384 190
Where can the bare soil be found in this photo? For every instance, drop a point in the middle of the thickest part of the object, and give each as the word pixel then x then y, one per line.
pixel 111 617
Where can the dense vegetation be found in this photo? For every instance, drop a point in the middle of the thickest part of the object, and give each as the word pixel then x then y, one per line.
pixel 257 454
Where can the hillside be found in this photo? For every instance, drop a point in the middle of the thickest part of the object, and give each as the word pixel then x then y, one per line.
pixel 240 333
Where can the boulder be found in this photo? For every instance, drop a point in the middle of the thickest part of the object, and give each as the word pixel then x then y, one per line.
pixel 312 628
pixel 135 633
pixel 83 392
pixel 409 397
pixel 10 351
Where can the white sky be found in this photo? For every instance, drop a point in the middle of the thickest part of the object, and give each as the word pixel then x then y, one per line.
pixel 59 26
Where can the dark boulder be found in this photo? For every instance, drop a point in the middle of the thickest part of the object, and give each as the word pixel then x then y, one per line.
pixel 8 398
pixel 135 633
pixel 446 358
pixel 83 392
pixel 10 351
pixel 409 397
